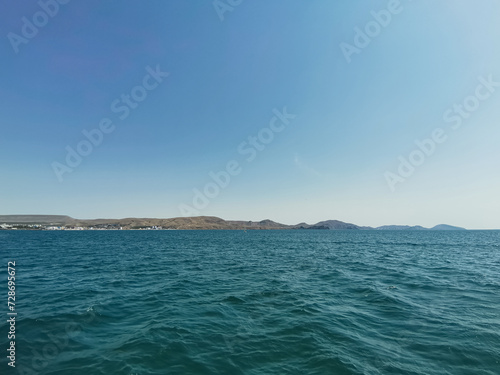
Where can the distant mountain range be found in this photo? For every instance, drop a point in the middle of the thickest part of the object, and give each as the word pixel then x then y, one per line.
pixel 199 222
pixel 418 227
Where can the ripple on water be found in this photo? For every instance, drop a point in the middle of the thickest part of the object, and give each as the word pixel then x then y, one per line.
pixel 270 302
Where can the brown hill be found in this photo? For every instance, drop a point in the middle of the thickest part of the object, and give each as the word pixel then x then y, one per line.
pixel 199 222
pixel 37 219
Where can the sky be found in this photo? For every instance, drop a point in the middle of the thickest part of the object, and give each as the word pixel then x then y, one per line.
pixel 370 112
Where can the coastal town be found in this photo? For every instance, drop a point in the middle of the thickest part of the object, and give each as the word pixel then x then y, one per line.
pixel 65 227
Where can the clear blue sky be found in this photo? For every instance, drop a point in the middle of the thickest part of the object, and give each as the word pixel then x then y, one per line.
pixel 353 119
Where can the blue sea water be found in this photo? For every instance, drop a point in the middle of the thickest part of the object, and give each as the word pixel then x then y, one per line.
pixel 255 302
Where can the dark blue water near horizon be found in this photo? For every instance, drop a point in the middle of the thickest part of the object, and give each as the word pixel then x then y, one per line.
pixel 255 302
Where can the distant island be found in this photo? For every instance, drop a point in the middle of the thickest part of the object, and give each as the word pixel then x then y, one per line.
pixel 59 222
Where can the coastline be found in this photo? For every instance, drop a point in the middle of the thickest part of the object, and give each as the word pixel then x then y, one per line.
pixel 55 222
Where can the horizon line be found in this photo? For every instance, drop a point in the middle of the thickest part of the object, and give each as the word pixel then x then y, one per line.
pixel 204 216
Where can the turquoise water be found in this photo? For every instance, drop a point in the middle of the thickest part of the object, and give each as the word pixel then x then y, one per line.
pixel 256 302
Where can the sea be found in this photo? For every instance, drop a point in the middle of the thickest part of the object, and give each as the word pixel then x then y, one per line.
pixel 255 302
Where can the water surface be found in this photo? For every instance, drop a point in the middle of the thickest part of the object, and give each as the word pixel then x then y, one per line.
pixel 255 302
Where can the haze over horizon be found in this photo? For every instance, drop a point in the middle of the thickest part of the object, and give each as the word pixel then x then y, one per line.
pixel 46 219
pixel 338 123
